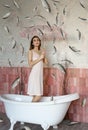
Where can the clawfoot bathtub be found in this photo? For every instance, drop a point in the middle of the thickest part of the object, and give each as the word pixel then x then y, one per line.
pixel 48 112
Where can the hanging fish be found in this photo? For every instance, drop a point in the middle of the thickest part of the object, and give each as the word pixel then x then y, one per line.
pixel 74 49
pixel 21 61
pixel 28 36
pixel 35 9
pixel 0 48
pixel 84 19
pixel 28 17
pixel 55 5
pixel 40 31
pixel 13 43
pixel 15 83
pixel 22 49
pixel 16 4
pixel 46 5
pixel 10 64
pixel 82 5
pixel 6 15
pixel 7 6
pixel 6 29
pixel 83 102
pixel 53 75
pixel 49 25
pixel 64 11
pixel 79 33
pixel 61 31
pixel 60 66
pixel 54 39
pixel 57 18
pixel 70 62
pixel 55 50
pixel 56 1
pixel 18 20
pixel 40 16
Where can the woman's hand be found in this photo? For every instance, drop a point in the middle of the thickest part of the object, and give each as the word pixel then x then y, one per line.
pixel 41 57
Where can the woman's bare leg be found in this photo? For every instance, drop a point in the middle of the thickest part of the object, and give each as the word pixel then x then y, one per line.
pixel 36 98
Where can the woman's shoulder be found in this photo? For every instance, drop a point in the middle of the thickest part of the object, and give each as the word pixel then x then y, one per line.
pixel 30 51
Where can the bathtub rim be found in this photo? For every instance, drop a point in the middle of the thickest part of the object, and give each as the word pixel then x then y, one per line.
pixel 5 100
pixel 56 99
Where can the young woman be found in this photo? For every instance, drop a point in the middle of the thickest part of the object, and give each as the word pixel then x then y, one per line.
pixel 36 57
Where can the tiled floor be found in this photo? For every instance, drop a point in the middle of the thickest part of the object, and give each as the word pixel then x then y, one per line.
pixel 65 125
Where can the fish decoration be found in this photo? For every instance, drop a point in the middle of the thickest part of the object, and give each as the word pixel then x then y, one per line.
pixel 64 11
pixel 46 5
pixel 40 31
pixel 66 60
pixel 54 39
pixel 10 64
pixel 7 6
pixel 6 29
pixel 28 17
pixel 55 50
pixel 6 15
pixel 74 49
pixel 57 18
pixel 40 16
pixel 22 49
pixel 35 9
pixel 21 61
pixel 56 1
pixel 0 48
pixel 28 36
pixel 16 4
pixel 83 102
pixel 55 5
pixel 15 82
pixel 18 20
pixel 79 33
pixel 13 43
pixel 63 68
pixel 61 31
pixel 82 5
pixel 84 19
pixel 49 25
pixel 53 75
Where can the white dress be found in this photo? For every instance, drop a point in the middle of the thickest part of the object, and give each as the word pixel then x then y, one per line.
pixel 35 80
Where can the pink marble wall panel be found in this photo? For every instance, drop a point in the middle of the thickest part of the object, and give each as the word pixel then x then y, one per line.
pixel 76 81
pixel 53 82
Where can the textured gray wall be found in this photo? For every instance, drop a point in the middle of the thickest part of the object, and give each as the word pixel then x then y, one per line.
pixel 62 26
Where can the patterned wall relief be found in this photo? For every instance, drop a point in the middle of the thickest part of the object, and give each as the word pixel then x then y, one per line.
pixel 61 25
pixel 20 21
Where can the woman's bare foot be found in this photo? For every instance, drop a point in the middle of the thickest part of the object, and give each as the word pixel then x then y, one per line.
pixel 36 98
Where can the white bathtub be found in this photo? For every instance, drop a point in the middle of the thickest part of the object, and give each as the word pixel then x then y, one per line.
pixel 46 112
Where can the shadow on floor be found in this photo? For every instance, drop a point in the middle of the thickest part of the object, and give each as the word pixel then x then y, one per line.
pixel 64 125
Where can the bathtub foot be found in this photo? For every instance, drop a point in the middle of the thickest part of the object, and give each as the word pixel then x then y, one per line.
pixel 45 126
pixel 12 124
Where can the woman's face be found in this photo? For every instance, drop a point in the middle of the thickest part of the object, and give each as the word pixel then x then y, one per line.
pixel 36 42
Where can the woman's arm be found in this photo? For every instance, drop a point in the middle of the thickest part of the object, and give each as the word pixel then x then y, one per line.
pixel 30 61
pixel 45 60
